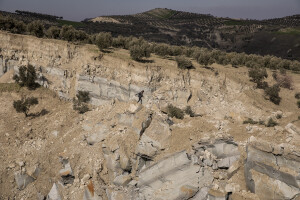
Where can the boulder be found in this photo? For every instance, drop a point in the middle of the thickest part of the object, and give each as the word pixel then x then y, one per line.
pixel 233 169
pixel 66 173
pixel 232 187
pixel 99 133
pixel 217 195
pixel 223 149
pixel 174 177
pixel 113 165
pixel 54 193
pixel 147 147
pixel 292 129
pixel 89 192
pixel 134 108
pixel 125 162
pixel 40 196
pixel 34 171
pixel 22 179
pixel 117 195
pixel 187 191
pixel 55 133
pixel 221 153
pixel 225 163
pixel 122 180
pixel 158 129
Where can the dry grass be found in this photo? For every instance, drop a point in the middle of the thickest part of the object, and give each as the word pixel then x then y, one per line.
pixel 9 87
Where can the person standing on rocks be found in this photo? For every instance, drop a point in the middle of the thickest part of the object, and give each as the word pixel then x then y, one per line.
pixel 140 96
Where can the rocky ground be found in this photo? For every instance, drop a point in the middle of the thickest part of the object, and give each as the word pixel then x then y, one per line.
pixel 124 150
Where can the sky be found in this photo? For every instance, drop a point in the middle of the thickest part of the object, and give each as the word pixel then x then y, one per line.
pixel 78 10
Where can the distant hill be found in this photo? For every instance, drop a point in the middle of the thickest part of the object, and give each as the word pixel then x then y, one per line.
pixel 279 36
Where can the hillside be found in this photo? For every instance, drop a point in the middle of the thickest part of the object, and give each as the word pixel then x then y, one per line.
pixel 121 149
pixel 183 28
pixel 279 37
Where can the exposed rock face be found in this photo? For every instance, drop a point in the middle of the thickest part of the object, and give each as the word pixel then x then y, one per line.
pixel 272 171
pixel 67 68
pixel 103 90
pixel 183 176
pixel 173 178
pixel 218 154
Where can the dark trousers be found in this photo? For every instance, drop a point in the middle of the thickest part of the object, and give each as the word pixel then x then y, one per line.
pixel 140 100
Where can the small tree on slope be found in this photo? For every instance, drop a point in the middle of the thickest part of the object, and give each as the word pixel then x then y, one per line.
pixel 23 105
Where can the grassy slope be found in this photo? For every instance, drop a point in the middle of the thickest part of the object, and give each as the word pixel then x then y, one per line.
pixel 290 31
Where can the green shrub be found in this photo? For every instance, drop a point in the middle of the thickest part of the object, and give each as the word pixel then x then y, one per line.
pixel 275 76
pixel 250 121
pixel 298 103
pixel 188 110
pixel 53 32
pixel 83 96
pixel 80 104
pixel 295 65
pixel 274 62
pixel 283 80
pixel 128 42
pixel 188 52
pixel 103 40
pixel 68 33
pixel 283 65
pixel 282 71
pixel 81 108
pixel 81 36
pixel 161 50
pixel 175 50
pixel 273 94
pixel 27 77
pixel 9 87
pixel 271 123
pixel 23 105
pixel 119 42
pixel 257 75
pixel 175 112
pixel 137 52
pixel 297 95
pixel 36 28
pixel 279 116
pixel 19 27
pixel 205 58
pixel 12 25
pixel 261 122
pixel 183 63
pixel 286 82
